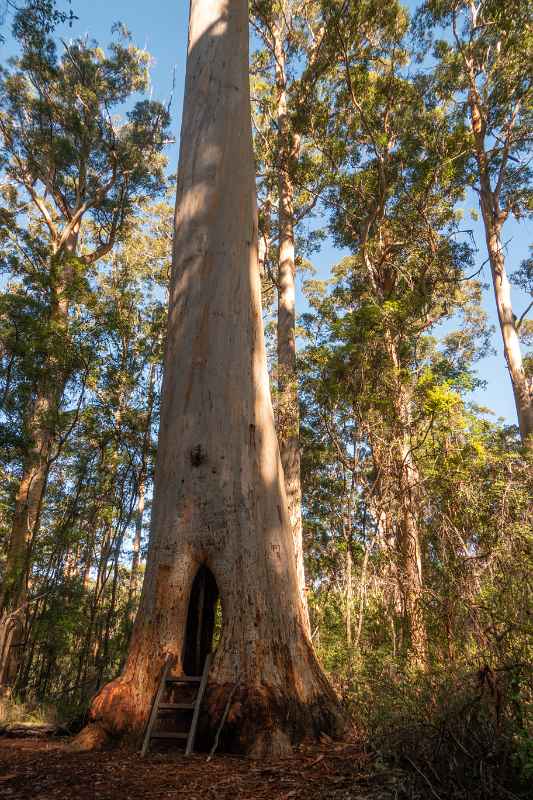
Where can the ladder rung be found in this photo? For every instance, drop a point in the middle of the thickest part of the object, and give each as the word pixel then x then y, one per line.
pixel 185 679
pixel 169 735
pixel 176 706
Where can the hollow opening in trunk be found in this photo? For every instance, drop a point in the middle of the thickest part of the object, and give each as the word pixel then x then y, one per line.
pixel 204 622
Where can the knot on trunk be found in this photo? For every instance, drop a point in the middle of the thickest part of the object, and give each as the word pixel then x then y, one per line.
pixel 198 456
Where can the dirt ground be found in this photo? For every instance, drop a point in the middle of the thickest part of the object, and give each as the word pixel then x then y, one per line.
pixel 37 769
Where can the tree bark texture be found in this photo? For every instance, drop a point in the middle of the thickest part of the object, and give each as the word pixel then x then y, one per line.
pixel 400 490
pixel 219 497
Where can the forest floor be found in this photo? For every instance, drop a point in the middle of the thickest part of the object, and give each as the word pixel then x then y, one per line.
pixel 46 769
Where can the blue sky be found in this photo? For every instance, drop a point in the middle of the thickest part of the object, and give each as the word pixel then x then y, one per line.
pixel 161 27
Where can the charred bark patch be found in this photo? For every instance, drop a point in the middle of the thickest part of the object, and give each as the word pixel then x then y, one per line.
pixel 264 720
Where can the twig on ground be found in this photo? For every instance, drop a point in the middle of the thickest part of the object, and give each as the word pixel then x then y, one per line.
pixel 425 778
pixel 222 722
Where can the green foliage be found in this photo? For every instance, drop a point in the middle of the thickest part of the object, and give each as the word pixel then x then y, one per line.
pixel 33 20
pixel 393 448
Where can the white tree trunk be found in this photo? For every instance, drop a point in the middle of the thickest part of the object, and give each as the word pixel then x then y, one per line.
pixel 522 386
pixel 493 219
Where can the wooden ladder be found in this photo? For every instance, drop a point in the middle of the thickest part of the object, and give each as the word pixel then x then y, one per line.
pixel 159 705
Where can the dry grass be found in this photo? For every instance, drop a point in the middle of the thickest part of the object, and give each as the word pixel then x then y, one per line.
pixel 14 712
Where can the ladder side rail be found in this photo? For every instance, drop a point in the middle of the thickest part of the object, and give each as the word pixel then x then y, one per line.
pixel 196 714
pixel 155 706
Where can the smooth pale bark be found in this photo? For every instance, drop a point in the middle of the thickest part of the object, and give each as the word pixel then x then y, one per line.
pixel 522 387
pixel 288 411
pixel 219 498
pixel 493 219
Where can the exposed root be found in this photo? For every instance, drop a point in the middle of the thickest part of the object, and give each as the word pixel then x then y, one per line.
pixel 117 716
pixel 93 737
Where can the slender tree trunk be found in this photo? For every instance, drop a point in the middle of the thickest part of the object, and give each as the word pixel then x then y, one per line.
pixel 288 407
pixel 92 606
pixel 263 245
pixel 32 486
pixel 362 596
pixel 219 498
pixel 493 219
pixel 411 583
pixel 404 490
pixel 102 662
pixel 133 587
pixel 349 596
pixel 39 427
pixel 27 507
pixel 28 503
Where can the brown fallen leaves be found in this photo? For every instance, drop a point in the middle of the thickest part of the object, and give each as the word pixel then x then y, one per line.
pixel 49 770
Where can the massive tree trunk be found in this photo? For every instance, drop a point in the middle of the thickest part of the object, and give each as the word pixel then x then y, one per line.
pixel 493 219
pixel 288 416
pixel 219 499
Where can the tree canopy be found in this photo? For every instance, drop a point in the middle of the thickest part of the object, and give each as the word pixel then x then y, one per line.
pixel 374 128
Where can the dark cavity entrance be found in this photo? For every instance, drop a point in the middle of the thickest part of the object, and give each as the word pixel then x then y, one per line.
pixel 202 618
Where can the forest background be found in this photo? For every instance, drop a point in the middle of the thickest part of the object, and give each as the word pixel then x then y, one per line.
pixel 416 513
pixel 165 38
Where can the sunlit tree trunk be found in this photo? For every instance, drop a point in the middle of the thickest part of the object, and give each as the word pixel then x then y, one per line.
pixel 493 219
pixel 288 412
pixel 219 498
